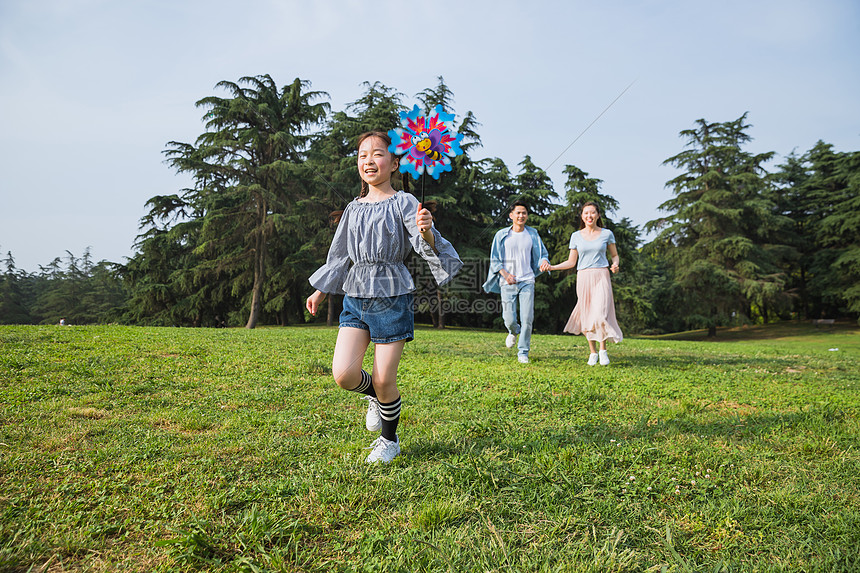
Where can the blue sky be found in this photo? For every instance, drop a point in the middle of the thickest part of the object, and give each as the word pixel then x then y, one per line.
pixel 93 89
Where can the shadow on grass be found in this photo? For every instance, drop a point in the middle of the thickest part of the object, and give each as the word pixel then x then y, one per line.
pixel 673 361
pixel 688 422
pixel 483 436
pixel 760 332
pixel 681 362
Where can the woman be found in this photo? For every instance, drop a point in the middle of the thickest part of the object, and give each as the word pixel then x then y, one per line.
pixel 594 313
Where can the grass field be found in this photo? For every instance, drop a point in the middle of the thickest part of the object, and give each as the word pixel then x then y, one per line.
pixel 147 449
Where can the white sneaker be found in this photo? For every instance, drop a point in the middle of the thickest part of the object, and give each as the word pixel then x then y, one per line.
pixel 510 340
pixel 372 421
pixel 523 359
pixel 592 359
pixel 383 450
pixel 604 358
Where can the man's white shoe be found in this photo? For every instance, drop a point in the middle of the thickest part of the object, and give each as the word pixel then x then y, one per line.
pixel 510 340
pixel 383 450
pixel 372 421
pixel 604 358
pixel 523 359
pixel 592 359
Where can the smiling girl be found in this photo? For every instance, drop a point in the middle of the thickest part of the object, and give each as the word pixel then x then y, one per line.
pixel 365 263
pixel 594 313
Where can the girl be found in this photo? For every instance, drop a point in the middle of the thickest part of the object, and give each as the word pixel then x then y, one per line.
pixel 365 263
pixel 594 313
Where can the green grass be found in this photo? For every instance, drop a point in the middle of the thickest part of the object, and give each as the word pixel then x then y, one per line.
pixel 148 449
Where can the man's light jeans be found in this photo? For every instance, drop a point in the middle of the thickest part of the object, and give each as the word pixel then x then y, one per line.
pixel 524 294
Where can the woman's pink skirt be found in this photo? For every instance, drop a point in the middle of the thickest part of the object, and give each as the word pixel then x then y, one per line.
pixel 594 313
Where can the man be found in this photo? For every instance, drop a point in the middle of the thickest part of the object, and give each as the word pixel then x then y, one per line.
pixel 515 258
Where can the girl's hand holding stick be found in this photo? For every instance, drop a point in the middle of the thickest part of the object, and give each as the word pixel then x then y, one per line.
pixel 424 221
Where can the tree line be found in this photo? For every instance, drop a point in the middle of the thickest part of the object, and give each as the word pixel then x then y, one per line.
pixel 274 166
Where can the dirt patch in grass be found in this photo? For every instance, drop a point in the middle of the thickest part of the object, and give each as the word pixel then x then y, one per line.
pixel 91 413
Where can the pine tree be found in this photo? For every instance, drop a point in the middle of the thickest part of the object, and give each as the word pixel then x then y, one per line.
pixel 719 236
pixel 789 196
pixel 250 182
pixel 13 308
pixel 834 191
pixel 534 187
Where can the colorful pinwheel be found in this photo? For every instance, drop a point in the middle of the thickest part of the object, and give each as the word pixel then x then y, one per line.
pixel 428 142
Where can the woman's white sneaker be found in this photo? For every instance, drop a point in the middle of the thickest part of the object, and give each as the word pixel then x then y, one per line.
pixel 592 359
pixel 383 450
pixel 604 358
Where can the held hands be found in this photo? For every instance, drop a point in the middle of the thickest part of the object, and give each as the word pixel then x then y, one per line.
pixel 614 267
pixel 545 266
pixel 314 301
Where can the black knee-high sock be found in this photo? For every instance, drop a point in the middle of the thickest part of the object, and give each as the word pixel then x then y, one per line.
pixel 365 386
pixel 390 414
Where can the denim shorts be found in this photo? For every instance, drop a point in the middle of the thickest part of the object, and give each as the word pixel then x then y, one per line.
pixel 388 319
